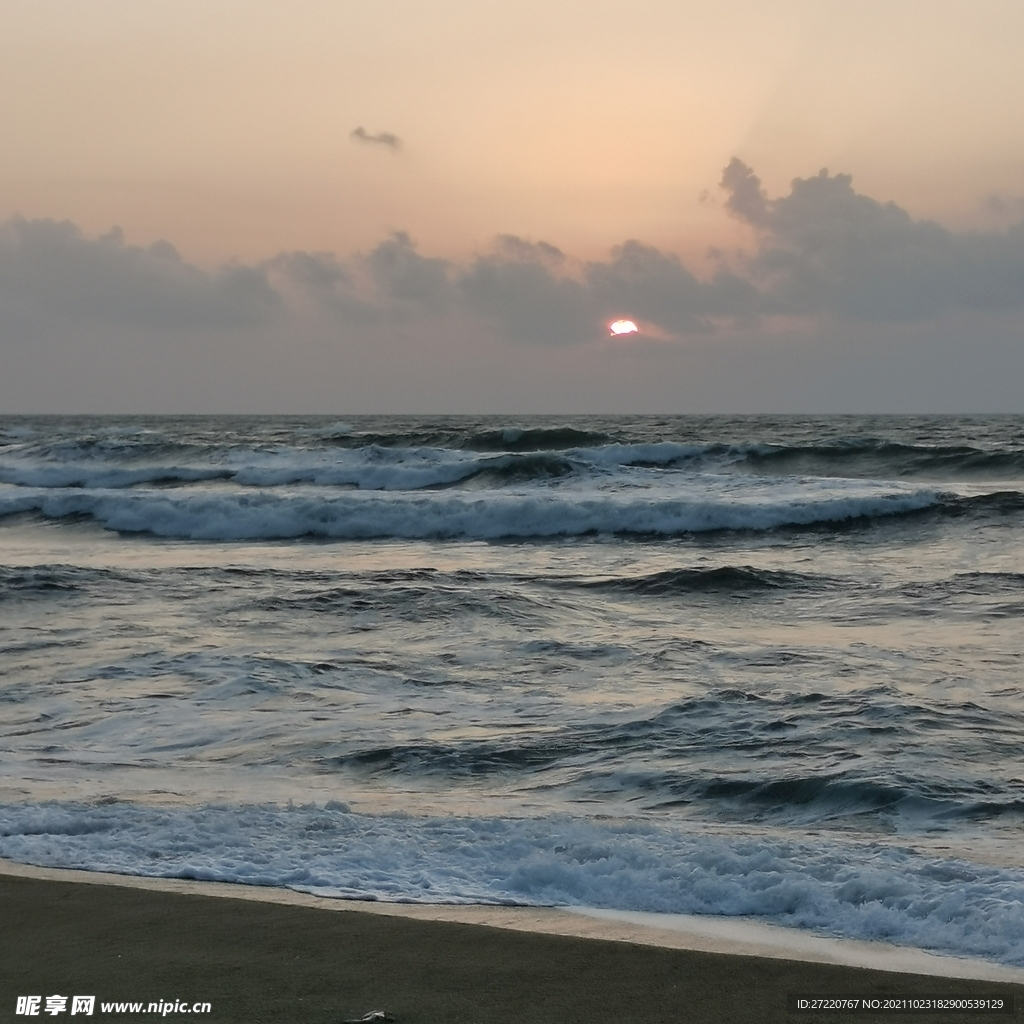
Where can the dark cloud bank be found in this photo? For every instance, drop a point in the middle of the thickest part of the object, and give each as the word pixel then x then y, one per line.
pixel 827 264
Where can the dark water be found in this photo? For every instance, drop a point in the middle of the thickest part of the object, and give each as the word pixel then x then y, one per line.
pixel 759 666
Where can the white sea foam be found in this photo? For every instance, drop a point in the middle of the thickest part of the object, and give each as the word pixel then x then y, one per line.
pixel 212 515
pixel 863 891
pixel 370 467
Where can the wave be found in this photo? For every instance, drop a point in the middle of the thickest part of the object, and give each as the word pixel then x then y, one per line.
pixel 36 581
pixel 841 888
pixel 439 599
pixel 112 446
pixel 91 475
pixel 995 502
pixel 424 459
pixel 1006 589
pixel 825 796
pixel 424 438
pixel 856 456
pixel 521 468
pixel 794 799
pixel 890 448
pixel 503 439
pixel 448 515
pixel 872 457
pixel 649 454
pixel 532 439
pixel 43 581
pixel 417 470
pixel 371 468
pixel 729 579
pixel 733 754
pixel 986 581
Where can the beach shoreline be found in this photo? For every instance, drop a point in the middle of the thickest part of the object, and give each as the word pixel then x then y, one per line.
pixel 733 936
pixel 268 954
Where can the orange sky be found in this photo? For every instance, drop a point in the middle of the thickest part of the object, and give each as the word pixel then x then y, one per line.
pixel 311 269
pixel 225 126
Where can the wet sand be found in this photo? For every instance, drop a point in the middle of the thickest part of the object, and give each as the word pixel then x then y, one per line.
pixel 281 956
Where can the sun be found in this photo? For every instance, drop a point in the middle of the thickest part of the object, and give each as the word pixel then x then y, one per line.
pixel 618 327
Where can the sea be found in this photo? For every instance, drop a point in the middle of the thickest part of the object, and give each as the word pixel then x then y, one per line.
pixel 760 667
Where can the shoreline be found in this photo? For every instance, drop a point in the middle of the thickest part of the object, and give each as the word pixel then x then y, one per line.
pixel 301 961
pixel 718 935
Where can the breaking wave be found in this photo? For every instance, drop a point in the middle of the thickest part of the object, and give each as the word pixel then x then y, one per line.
pixel 494 516
pixel 861 891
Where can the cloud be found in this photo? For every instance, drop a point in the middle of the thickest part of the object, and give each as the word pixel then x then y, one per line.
pixel 822 256
pixel 387 139
pixel 52 276
pixel 521 289
pixel 392 283
pixel 746 199
pixel 404 279
pixel 655 286
pixel 1005 208
pixel 827 250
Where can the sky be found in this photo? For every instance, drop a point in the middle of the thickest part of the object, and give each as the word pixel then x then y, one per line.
pixel 347 207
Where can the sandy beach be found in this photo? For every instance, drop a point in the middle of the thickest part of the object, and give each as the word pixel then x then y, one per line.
pixel 267 954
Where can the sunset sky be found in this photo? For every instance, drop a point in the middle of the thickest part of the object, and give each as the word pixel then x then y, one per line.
pixel 438 207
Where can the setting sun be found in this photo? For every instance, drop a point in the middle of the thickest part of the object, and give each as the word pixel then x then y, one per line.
pixel 618 327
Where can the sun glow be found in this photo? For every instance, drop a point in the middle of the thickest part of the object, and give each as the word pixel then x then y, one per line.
pixel 618 327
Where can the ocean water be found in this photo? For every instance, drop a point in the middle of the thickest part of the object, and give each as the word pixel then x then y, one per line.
pixel 757 666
